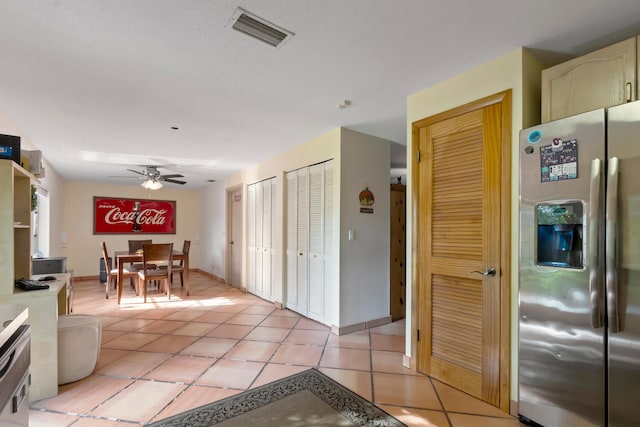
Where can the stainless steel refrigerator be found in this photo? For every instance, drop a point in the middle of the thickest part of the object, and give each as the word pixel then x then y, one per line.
pixel 579 270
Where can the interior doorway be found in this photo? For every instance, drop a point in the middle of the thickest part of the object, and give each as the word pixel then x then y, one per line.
pixel 234 236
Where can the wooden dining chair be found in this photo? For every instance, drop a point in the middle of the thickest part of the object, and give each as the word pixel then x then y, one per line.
pixel 179 267
pixel 112 273
pixel 135 246
pixel 152 254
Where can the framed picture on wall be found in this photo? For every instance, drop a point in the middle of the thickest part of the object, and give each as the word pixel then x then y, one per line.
pixel 133 216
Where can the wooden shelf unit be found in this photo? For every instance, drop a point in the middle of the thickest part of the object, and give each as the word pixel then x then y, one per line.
pixel 15 224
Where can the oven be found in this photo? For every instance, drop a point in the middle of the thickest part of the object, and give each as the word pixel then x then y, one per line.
pixel 15 356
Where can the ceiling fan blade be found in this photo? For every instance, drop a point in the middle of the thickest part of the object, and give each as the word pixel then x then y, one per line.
pixel 173 181
pixel 135 171
pixel 175 175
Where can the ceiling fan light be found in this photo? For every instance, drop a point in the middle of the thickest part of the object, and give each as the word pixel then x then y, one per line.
pixel 151 184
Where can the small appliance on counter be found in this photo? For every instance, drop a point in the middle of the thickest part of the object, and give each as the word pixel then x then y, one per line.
pixel 49 265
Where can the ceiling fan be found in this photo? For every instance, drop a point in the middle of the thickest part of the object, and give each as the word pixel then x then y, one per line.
pixel 152 177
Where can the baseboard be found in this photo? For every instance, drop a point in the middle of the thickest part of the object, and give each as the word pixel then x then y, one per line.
pixel 513 408
pixel 336 330
pixel 211 275
pixel 343 330
pixel 83 278
pixel 378 322
pixel 277 305
pixel 406 361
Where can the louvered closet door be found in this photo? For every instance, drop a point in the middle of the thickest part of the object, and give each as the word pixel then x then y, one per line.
pixel 316 242
pixel 302 242
pixel 259 237
pixel 309 230
pixel 268 188
pixel 251 231
pixel 328 238
pixel 292 240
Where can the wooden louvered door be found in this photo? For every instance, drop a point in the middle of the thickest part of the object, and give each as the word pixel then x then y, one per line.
pixel 461 312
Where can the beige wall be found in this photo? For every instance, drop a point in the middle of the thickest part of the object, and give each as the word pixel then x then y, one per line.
pixel 83 247
pixel 520 72
pixel 364 261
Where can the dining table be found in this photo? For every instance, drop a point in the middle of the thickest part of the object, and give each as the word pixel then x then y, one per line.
pixel 124 257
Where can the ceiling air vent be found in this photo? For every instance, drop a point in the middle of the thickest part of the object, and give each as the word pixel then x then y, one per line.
pixel 259 28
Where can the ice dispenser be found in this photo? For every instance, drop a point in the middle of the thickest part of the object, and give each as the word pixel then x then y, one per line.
pixel 560 234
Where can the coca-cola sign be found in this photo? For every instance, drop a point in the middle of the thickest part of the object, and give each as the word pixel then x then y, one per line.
pixel 128 216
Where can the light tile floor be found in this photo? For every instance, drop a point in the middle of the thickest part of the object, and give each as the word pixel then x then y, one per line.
pixel 167 356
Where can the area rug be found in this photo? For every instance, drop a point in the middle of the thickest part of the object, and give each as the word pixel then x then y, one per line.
pixel 308 398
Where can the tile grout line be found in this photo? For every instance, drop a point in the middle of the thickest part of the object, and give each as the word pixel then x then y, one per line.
pixel 444 410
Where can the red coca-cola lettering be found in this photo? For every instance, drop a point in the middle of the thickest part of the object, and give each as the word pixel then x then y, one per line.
pixel 116 216
pixel 152 216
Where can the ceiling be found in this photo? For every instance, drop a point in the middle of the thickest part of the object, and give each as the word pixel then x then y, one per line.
pixel 97 85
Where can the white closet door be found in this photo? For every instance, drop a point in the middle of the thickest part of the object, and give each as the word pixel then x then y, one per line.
pixel 251 234
pixel 292 240
pixel 302 243
pixel 267 191
pixel 274 221
pixel 330 288
pixel 310 218
pixel 316 242
pixel 259 242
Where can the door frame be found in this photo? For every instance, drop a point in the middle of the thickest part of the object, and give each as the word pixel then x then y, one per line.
pixel 229 226
pixel 503 97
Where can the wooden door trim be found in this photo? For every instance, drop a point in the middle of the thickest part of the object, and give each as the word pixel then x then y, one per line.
pixel 503 98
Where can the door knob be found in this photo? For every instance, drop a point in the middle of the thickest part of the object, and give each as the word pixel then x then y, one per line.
pixel 489 272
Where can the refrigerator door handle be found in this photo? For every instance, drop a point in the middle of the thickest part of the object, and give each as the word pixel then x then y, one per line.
pixel 610 245
pixel 594 242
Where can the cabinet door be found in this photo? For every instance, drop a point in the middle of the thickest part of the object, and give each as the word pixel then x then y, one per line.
pixel 602 78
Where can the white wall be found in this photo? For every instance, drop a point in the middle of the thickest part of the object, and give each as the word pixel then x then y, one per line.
pixel 364 261
pixel 213 238
pixel 83 247
pixel 519 71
